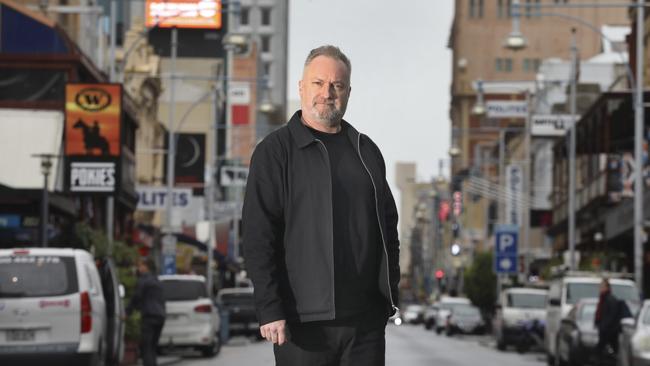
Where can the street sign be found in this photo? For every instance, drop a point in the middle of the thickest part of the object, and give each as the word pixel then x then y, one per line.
pixel 551 125
pixel 226 208
pixel 506 109
pixel 506 249
pixel 234 176
pixel 169 254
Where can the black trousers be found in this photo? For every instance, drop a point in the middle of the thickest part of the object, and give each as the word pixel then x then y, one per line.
pixel 356 341
pixel 150 328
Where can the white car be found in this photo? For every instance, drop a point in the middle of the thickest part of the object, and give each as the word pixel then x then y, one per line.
pixel 634 341
pixel 192 319
pixel 566 291
pixel 52 307
pixel 413 314
pixel 515 307
pixel 445 306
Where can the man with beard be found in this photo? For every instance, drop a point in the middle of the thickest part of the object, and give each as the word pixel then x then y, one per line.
pixel 320 229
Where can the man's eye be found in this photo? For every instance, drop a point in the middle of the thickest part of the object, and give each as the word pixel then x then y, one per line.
pixel 319 83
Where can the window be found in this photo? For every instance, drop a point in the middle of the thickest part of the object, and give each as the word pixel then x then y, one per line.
pixel 528 8
pixel 267 70
pixel 536 64
pixel 182 290
pixel 498 66
pixel 503 9
pixel 266 44
pixel 244 16
pixel 476 8
pixel 266 16
pixel 508 65
pixel 526 65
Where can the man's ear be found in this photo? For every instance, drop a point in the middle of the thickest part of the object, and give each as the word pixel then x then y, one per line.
pixel 300 86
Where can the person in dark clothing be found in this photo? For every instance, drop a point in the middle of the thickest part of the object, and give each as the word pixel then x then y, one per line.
pixel 608 322
pixel 320 229
pixel 148 299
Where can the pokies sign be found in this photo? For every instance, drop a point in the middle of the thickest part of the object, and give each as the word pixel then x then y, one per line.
pixel 92 137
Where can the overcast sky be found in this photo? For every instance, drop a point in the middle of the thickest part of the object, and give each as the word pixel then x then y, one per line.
pixel 401 71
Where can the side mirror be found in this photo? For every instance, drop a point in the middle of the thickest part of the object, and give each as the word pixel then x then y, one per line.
pixel 554 302
pixel 121 290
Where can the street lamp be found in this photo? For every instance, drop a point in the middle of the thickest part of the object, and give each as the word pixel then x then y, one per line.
pixel 46 167
pixel 515 40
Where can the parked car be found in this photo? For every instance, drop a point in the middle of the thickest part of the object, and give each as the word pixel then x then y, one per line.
pixel 566 291
pixel 445 305
pixel 464 319
pixel 52 307
pixel 192 320
pixel 413 314
pixel 430 314
pixel 634 341
pixel 515 307
pixel 577 337
pixel 240 304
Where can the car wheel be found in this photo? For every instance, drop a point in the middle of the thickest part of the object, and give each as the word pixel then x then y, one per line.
pixel 438 330
pixel 501 344
pixel 212 349
pixel 428 325
pixel 99 358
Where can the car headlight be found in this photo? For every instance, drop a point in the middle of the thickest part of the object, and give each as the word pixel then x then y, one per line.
pixel 641 343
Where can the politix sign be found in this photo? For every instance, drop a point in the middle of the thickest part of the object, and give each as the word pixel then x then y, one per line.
pixel 93 119
pixel 204 14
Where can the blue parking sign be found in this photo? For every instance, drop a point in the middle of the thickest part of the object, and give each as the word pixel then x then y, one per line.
pixel 505 249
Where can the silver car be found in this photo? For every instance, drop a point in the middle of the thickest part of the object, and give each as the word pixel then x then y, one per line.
pixel 634 341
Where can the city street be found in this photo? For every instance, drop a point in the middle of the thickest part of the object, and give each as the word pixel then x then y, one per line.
pixel 406 345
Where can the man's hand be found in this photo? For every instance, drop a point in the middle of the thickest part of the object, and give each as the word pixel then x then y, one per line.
pixel 274 332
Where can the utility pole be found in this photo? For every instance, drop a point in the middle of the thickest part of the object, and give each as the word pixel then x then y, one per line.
pixel 572 152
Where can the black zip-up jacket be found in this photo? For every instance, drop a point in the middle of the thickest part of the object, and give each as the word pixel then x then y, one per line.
pixel 287 225
pixel 148 297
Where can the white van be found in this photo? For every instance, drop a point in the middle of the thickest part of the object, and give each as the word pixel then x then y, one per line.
pixel 52 306
pixel 515 307
pixel 566 291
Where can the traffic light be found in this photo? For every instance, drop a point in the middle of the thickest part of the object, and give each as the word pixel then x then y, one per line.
pixel 440 274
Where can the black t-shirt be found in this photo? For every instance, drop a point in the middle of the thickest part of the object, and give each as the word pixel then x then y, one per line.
pixel 357 240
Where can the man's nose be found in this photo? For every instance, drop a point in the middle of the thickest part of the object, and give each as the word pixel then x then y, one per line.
pixel 328 91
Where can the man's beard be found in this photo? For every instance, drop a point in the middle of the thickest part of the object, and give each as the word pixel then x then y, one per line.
pixel 330 117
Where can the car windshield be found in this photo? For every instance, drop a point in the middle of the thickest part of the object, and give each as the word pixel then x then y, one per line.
pixel 587 313
pixel 466 310
pixel 578 291
pixel 237 299
pixel 37 276
pixel 532 301
pixel 183 290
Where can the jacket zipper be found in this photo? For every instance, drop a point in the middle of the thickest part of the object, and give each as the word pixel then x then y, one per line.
pixel 381 230
pixel 327 158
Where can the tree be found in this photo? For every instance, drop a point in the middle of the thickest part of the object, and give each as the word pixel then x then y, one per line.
pixel 480 282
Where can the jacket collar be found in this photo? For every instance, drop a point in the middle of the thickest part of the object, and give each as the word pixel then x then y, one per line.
pixel 303 137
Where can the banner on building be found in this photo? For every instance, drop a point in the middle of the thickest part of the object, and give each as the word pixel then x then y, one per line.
pixel 189 160
pixel 203 14
pixel 621 172
pixel 93 122
pixel 551 125
pixel 514 190
pixel 155 198
pixel 506 109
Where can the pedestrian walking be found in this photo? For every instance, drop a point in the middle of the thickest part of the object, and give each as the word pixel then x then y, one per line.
pixel 320 229
pixel 148 299
pixel 609 313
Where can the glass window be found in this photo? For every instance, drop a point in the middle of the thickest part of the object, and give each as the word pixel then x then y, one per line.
pixel 266 16
pixel 480 8
pixel 466 310
pixel 498 65
pixel 179 290
pixel 625 292
pixel 267 70
pixel 244 16
pixel 528 8
pixel 526 65
pixel 536 63
pixel 501 11
pixel 532 301
pixel 37 276
pixel 508 65
pixel 266 44
pixel 472 8
pixel 587 313
pixel 578 291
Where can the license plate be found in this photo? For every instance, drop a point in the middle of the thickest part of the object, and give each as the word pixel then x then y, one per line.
pixel 20 335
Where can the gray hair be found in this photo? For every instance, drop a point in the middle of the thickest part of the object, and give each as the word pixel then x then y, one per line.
pixel 329 51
